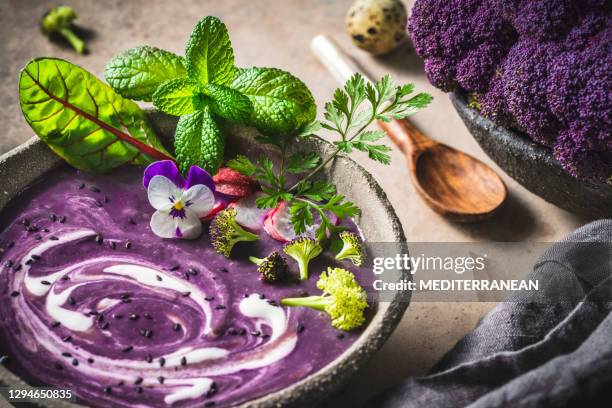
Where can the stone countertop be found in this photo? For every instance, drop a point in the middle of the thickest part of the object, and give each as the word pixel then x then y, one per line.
pixel 277 33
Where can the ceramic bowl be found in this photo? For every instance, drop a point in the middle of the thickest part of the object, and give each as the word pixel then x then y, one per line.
pixel 378 222
pixel 534 167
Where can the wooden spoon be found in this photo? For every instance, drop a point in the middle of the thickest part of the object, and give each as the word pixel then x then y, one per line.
pixel 454 184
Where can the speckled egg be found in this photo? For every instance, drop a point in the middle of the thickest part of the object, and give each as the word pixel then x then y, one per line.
pixel 377 26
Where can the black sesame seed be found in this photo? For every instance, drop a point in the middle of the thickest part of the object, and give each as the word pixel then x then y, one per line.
pixel 148 316
pixel 71 301
pixel 134 316
pixel 118 316
pixel 113 245
pixel 149 358
pixel 17 268
pixel 11 244
pixel 139 380
pixel 94 313
pixel 246 295
pixel 45 282
pixel 192 271
pixel 121 383
pixel 340 336
pixel 131 221
pixel 148 333
pixel 25 222
pixel 176 327
pixel 272 302
pixel 53 217
pixel 256 333
pixel 126 300
pixel 62 219
pixel 209 298
pixel 300 328
pixel 186 275
pixel 220 307
pixel 125 296
pixel 8 264
pixel 186 294
pixel 45 229
pixel 159 278
pixel 75 362
pixel 265 336
pixel 209 404
pixel 106 200
pixel 4 359
pixel 99 203
pixel 160 379
pixel 127 349
pixel 94 189
pixel 242 332
pixel 66 354
pixel 90 360
pixel 184 361
pixel 32 228
pixel 66 339
pixel 232 332
pixel 58 366
pixel 65 277
pixel 55 324
pixel 262 296
pixel 81 186
pixel 53 238
pixel 139 390
pixel 224 270
pixel 100 317
pixel 175 268
pixel 105 326
pixel 128 245
pixel 29 262
pixel 14 293
pixel 38 238
pixel 162 362
pixel 99 239
pixel 108 390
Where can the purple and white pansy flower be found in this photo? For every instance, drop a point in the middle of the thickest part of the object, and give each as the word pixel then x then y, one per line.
pixel 179 203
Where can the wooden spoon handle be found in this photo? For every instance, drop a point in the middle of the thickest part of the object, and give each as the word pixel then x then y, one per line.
pixel 406 136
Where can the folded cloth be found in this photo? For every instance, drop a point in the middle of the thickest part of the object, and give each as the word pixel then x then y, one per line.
pixel 546 350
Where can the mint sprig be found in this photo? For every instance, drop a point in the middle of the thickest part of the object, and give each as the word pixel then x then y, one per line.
pixel 351 111
pixel 209 89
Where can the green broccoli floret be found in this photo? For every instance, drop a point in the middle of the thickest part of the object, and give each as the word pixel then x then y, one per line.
pixel 59 20
pixel 303 250
pixel 225 232
pixel 271 268
pixel 342 299
pixel 352 248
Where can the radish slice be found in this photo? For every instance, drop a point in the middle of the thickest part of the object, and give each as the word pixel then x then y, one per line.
pixel 220 205
pixel 247 213
pixel 278 223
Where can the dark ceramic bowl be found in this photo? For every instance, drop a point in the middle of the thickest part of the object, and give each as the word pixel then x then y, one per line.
pixel 378 223
pixel 533 166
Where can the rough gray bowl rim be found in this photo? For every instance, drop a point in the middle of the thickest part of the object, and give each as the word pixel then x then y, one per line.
pixel 314 387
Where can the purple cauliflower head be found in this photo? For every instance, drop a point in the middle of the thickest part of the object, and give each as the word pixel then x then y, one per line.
pixel 539 66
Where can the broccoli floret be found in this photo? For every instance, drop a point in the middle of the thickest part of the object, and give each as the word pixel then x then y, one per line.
pixel 225 232
pixel 271 268
pixel 59 20
pixel 303 250
pixel 351 249
pixel 342 299
pixel 539 66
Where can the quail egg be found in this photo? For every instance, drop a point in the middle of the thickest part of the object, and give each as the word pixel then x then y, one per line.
pixel 377 26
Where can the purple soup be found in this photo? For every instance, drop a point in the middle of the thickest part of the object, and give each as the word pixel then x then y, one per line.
pixel 93 301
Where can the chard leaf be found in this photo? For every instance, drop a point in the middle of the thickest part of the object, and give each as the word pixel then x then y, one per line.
pixel 209 54
pixel 228 103
pixel 199 141
pixel 83 120
pixel 137 72
pixel 282 104
pixel 178 97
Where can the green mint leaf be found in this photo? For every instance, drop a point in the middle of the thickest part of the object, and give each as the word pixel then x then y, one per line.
pixel 83 120
pixel 229 103
pixel 301 162
pixel 242 165
pixel 282 104
pixel 178 97
pixel 310 129
pixel 137 72
pixel 199 141
pixel 209 55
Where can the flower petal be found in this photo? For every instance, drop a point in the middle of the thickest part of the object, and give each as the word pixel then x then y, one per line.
pixel 189 227
pixel 160 190
pixel 166 168
pixel 199 199
pixel 198 175
pixel 162 224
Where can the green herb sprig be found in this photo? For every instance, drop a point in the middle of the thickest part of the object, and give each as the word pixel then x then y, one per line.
pixel 205 89
pixel 352 110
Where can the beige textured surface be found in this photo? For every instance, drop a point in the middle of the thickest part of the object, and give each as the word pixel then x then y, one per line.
pixel 277 33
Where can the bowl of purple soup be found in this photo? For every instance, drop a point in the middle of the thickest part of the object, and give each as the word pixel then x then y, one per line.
pixel 92 301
